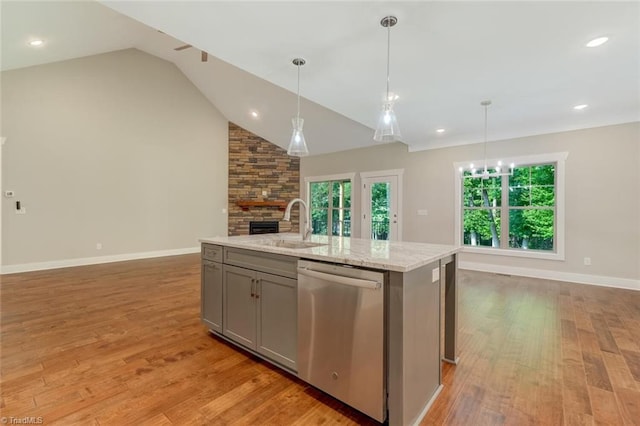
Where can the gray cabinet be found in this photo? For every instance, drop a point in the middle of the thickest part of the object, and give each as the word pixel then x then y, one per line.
pixel 277 319
pixel 259 303
pixel 240 305
pixel 211 287
pixel 260 313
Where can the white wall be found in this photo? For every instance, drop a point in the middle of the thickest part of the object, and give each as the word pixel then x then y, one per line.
pixel 118 148
pixel 602 197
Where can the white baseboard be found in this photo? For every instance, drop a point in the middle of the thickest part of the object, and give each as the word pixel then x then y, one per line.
pixel 55 264
pixel 600 280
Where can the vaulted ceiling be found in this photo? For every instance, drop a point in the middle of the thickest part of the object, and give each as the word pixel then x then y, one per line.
pixel 529 58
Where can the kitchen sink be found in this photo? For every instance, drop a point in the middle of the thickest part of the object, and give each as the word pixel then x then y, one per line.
pixel 294 244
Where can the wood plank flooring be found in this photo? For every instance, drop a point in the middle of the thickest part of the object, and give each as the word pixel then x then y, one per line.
pixel 121 343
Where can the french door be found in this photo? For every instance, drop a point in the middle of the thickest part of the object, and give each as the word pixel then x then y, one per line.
pixel 381 198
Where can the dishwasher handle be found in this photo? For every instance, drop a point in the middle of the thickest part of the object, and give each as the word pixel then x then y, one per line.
pixel 340 279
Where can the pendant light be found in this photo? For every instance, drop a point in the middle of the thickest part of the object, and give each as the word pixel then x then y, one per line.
pixel 387 129
pixel 484 173
pixel 298 145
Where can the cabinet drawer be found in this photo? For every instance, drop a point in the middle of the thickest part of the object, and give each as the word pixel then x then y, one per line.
pixel 212 252
pixel 285 266
pixel 214 266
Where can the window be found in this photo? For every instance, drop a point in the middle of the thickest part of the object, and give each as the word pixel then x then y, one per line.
pixel 330 205
pixel 518 215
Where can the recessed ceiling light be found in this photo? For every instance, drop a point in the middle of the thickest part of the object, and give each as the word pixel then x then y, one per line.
pixel 36 43
pixel 440 130
pixel 254 114
pixel 580 107
pixel 597 42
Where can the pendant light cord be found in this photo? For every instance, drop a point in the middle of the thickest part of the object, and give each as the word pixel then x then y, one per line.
pixel 298 116
pixel 388 56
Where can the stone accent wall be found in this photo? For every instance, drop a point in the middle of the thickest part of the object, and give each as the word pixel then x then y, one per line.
pixel 257 165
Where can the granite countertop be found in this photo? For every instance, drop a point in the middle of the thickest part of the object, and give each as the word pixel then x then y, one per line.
pixel 397 256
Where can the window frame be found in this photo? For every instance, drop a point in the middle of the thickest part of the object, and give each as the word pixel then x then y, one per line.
pixel 329 178
pixel 558 159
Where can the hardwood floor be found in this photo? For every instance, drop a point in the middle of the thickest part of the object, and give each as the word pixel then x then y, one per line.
pixel 121 343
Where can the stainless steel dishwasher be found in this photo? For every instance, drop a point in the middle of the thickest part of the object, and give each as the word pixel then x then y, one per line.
pixel 341 334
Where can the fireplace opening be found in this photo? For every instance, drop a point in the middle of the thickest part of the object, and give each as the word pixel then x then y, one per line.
pixel 265 227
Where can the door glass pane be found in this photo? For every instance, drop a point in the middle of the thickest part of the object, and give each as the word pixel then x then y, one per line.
pixel 319 194
pixel 347 193
pixel 531 229
pixel 380 208
pixel 331 198
pixel 341 194
pixel 336 194
pixel 481 227
pixel 347 223
pixel 319 221
pixel 341 222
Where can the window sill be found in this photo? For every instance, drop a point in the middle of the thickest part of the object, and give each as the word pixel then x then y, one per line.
pixel 529 254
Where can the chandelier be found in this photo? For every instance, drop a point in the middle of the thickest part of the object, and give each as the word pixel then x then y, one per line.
pixel 484 172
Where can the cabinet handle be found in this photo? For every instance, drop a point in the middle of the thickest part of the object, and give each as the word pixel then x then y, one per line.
pixel 210 265
pixel 257 287
pixel 252 291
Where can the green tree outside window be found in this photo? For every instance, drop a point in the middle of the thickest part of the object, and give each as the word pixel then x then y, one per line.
pixel 331 207
pixel 522 205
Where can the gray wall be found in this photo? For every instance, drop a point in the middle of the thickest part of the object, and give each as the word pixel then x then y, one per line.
pixel 118 148
pixel 602 194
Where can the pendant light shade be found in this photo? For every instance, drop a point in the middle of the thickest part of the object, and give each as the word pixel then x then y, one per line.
pixel 298 144
pixel 388 129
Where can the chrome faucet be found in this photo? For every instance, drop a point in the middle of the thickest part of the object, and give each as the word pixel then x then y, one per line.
pixel 305 230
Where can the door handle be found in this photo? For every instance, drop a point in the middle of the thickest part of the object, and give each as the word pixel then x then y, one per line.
pixel 340 279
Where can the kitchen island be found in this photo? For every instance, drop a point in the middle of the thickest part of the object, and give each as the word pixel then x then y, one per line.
pixel 250 297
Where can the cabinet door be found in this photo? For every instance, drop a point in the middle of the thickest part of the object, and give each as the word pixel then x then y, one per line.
pixel 239 322
pixel 211 295
pixel 277 319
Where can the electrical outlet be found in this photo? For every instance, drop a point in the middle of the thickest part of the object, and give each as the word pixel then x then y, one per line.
pixel 435 275
pixel 98 246
pixel 265 193
pixel 423 212
pixel 587 261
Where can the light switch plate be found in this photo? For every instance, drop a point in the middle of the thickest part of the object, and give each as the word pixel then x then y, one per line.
pixel 423 212
pixel 9 194
pixel 435 275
